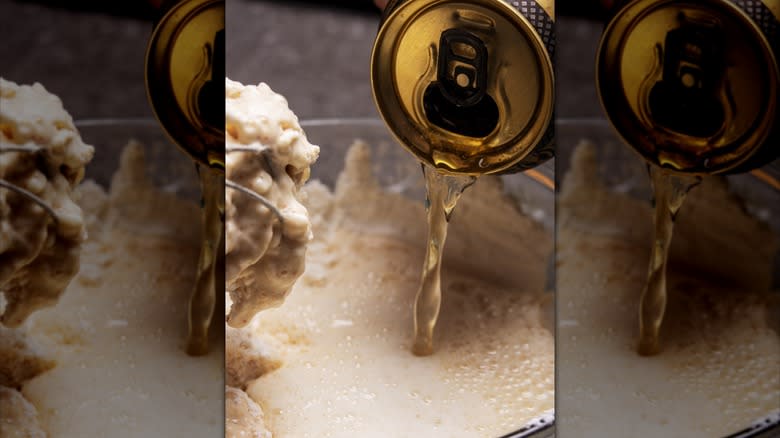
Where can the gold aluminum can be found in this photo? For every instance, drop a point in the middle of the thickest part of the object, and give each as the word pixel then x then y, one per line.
pixel 185 77
pixel 467 86
pixel 692 85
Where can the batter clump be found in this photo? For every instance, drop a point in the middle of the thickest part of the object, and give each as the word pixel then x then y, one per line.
pixel 267 230
pixel 42 153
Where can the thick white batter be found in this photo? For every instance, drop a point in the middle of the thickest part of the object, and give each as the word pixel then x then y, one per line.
pixel 40 152
pixel 107 360
pixel 268 154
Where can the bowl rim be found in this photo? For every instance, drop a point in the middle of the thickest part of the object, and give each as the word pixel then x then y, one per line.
pixel 539 177
pixel 545 179
pixel 113 121
pixel 769 174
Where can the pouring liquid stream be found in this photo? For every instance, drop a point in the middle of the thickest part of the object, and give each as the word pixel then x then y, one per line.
pixel 669 191
pixel 442 194
pixel 203 298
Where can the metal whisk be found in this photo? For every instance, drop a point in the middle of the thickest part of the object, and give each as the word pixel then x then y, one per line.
pixel 26 193
pixel 251 193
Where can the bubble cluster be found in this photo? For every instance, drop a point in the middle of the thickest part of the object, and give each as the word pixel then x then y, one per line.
pixel 492 368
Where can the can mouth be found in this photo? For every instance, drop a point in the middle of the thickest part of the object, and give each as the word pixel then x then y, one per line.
pixel 690 85
pixel 465 87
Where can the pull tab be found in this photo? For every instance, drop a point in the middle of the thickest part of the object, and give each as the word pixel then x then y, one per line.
pixel 687 98
pixel 458 101
pixel 462 67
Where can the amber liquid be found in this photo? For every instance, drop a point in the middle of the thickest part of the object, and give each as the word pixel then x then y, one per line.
pixel 443 192
pixel 670 191
pixel 203 297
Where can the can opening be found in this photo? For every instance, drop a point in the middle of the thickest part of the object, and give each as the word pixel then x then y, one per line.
pixel 690 98
pixel 458 101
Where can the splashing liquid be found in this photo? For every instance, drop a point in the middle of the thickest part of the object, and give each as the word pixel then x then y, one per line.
pixel 443 192
pixel 669 191
pixel 203 297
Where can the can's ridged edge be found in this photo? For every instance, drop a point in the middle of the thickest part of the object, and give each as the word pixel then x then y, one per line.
pixel 763 18
pixel 540 19
pixel 768 24
pixel 545 27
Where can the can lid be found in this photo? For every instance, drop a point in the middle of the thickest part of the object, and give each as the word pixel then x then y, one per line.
pixel 185 71
pixel 465 86
pixel 691 85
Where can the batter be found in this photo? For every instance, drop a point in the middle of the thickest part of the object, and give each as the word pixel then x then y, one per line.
pixel 267 228
pixel 718 372
pixel 334 360
pixel 107 359
pixel 42 159
pixel 42 153
pixel 20 361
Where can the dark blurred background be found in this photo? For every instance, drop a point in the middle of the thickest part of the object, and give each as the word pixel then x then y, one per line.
pixel 91 53
pixel 92 59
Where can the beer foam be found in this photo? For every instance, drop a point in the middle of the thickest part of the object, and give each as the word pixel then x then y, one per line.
pixel 116 334
pixel 346 328
pixel 717 371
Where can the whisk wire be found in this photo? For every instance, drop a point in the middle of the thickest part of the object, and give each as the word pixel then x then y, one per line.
pixel 26 193
pixel 247 191
pixel 257 197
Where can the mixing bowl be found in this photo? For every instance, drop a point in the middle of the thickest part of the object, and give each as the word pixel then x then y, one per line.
pixel 624 171
pixel 399 172
pixel 122 322
pixel 167 166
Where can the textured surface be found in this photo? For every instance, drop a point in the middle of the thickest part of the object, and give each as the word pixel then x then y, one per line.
pixel 94 62
pixel 316 57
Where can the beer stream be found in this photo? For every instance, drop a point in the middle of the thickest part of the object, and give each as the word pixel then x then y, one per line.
pixel 694 85
pixel 185 70
pixel 453 82
pixel 203 299
pixel 442 194
pixel 669 193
